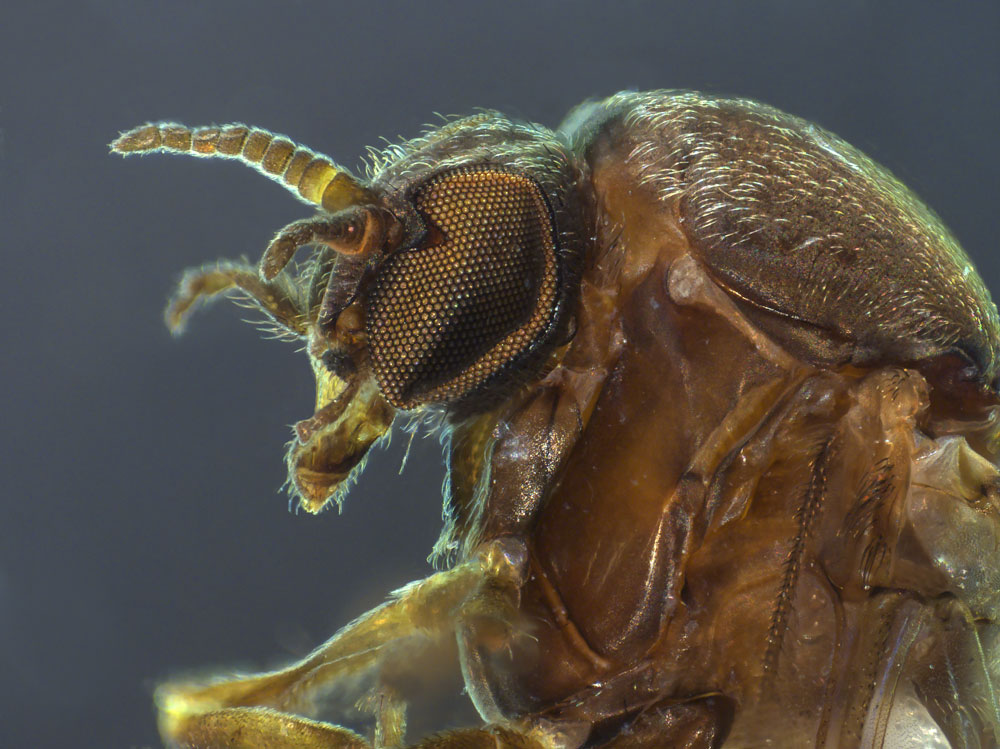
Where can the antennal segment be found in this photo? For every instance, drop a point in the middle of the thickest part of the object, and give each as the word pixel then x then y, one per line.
pixel 313 177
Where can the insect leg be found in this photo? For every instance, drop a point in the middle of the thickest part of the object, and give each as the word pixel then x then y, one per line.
pixel 488 737
pixel 262 728
pixel 277 299
pixel 195 714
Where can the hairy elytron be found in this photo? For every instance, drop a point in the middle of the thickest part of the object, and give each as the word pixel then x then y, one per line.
pixel 720 400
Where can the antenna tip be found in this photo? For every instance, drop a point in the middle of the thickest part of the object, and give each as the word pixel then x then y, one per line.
pixel 142 138
pixel 162 136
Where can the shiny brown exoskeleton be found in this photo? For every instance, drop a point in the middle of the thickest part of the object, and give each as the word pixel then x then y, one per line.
pixel 720 398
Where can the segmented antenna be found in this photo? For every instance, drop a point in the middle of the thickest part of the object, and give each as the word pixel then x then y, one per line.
pixel 315 178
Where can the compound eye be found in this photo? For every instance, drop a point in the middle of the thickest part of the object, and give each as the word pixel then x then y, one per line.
pixel 455 316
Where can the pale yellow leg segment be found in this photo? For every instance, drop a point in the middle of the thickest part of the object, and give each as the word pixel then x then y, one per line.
pixel 261 728
pixel 489 737
pixel 426 608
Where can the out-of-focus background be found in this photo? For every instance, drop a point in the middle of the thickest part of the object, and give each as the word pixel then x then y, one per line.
pixel 141 530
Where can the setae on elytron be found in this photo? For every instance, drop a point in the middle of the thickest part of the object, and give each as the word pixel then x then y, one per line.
pixel 720 402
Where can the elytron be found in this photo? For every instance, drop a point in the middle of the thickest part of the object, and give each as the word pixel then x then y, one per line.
pixel 720 403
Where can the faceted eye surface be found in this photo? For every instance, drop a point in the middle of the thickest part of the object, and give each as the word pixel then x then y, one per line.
pixel 447 318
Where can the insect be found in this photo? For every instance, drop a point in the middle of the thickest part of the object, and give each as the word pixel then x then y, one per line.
pixel 720 405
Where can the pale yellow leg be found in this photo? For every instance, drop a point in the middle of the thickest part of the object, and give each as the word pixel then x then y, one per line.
pixel 260 728
pixel 488 737
pixel 225 713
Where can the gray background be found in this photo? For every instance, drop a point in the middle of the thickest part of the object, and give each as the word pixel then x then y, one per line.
pixel 140 528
